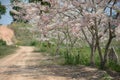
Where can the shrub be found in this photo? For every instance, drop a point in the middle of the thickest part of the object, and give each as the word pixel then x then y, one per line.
pixel 35 43
pixel 2 42
pixel 22 33
pixel 72 59
pixel 114 66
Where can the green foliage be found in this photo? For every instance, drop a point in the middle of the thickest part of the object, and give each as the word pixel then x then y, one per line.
pixel 2 9
pixel 72 59
pixel 6 50
pixel 22 33
pixel 116 45
pixel 45 46
pixel 34 43
pixel 21 25
pixel 2 43
pixel 78 56
pixel 12 14
pixel 106 77
pixel 75 56
pixel 16 8
pixel 114 66
pixel 45 3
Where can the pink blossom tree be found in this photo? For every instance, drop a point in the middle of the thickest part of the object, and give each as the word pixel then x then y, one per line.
pixel 101 25
pixel 91 20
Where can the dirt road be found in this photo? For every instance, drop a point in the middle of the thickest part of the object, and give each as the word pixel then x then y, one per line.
pixel 28 65
pixel 23 65
pixel 13 66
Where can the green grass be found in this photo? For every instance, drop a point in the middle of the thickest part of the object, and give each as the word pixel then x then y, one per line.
pixel 44 47
pixel 73 57
pixel 114 66
pixel 106 77
pixel 23 34
pixel 6 50
pixel 76 56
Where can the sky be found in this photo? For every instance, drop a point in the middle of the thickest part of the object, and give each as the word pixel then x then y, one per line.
pixel 6 18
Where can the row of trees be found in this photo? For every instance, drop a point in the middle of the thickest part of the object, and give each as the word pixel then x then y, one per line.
pixel 93 21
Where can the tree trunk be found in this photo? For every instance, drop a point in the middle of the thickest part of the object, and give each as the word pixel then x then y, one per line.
pixel 111 36
pixel 57 50
pixel 101 57
pixel 92 61
pixel 106 53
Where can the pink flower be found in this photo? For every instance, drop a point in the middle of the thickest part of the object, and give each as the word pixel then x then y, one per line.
pixel 44 17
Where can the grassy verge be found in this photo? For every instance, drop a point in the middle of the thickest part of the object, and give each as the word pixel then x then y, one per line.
pixel 6 50
pixel 75 56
